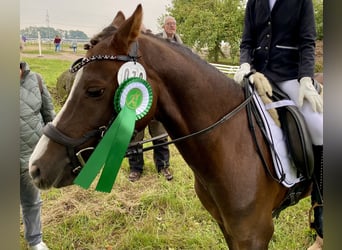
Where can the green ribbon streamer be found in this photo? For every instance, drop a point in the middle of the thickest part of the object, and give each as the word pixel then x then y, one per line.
pixel 111 150
pixel 116 141
pixel 123 137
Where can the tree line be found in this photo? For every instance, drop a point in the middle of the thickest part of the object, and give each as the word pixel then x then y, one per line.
pixel 50 33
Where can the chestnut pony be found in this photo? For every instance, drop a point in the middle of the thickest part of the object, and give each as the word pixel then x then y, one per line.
pixel 189 95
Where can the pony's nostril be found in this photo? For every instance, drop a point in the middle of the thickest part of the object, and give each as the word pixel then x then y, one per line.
pixel 34 172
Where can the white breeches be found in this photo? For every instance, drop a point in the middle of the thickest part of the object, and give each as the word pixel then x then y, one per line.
pixel 314 120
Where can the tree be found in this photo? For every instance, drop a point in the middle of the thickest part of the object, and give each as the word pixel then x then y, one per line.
pixel 49 33
pixel 207 23
pixel 76 34
pixel 318 7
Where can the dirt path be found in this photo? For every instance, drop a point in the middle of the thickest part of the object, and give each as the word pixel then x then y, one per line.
pixel 60 55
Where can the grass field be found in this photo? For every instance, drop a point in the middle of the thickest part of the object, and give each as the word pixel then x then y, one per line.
pixel 149 214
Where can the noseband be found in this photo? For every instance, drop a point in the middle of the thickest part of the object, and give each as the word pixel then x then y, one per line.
pixel 72 144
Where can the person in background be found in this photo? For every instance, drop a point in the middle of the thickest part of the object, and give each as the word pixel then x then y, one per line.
pixel 282 47
pixel 170 30
pixel 57 42
pixel 161 154
pixel 36 109
pixel 74 46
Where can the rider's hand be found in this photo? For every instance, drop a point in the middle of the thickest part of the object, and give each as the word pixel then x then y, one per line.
pixel 261 83
pixel 308 92
pixel 245 68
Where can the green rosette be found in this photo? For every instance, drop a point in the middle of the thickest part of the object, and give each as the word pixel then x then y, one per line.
pixel 135 93
pixel 132 101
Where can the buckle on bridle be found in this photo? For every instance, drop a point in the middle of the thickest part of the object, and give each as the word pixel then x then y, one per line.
pixel 81 159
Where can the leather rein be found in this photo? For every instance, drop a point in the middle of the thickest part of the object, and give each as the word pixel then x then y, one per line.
pixel 71 144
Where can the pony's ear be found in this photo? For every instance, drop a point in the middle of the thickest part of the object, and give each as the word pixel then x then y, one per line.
pixel 128 31
pixel 118 19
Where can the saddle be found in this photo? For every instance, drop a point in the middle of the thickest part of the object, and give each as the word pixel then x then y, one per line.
pixel 298 140
pixel 293 126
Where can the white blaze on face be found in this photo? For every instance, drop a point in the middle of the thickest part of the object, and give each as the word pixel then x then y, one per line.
pixel 39 150
pixel 77 78
pixel 41 146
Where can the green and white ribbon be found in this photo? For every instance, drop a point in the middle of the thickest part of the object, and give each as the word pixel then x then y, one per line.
pixel 132 101
pixel 136 94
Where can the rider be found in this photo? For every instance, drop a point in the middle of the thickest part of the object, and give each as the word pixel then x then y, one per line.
pixel 282 47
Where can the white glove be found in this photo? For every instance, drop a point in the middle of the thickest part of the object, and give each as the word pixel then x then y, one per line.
pixel 307 91
pixel 245 68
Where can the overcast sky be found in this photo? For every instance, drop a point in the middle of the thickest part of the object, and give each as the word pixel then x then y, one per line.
pixel 85 15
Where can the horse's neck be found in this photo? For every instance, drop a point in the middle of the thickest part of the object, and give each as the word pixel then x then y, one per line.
pixel 192 94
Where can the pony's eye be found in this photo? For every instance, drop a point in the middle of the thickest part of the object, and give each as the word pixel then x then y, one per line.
pixel 95 92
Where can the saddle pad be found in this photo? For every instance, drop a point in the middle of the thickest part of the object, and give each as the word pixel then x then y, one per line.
pixel 283 165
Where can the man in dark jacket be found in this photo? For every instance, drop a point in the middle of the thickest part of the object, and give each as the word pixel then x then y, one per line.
pixel 161 153
pixel 36 109
pixel 279 41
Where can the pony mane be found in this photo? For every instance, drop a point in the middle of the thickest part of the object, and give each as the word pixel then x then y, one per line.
pixel 110 30
pixel 183 49
pixel 106 32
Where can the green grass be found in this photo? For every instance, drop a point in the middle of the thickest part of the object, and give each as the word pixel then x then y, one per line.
pixel 50 69
pixel 149 214
pixel 49 48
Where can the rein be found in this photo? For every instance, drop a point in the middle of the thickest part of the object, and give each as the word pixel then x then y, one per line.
pixel 71 143
pixel 132 150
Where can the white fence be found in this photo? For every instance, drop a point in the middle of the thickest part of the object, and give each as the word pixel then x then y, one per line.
pixel 226 69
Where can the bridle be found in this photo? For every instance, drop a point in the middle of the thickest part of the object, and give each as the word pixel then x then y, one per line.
pixel 71 144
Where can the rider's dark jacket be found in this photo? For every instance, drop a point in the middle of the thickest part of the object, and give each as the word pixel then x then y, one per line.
pixel 279 43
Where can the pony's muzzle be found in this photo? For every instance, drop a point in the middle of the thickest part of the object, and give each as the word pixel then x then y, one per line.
pixel 37 179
